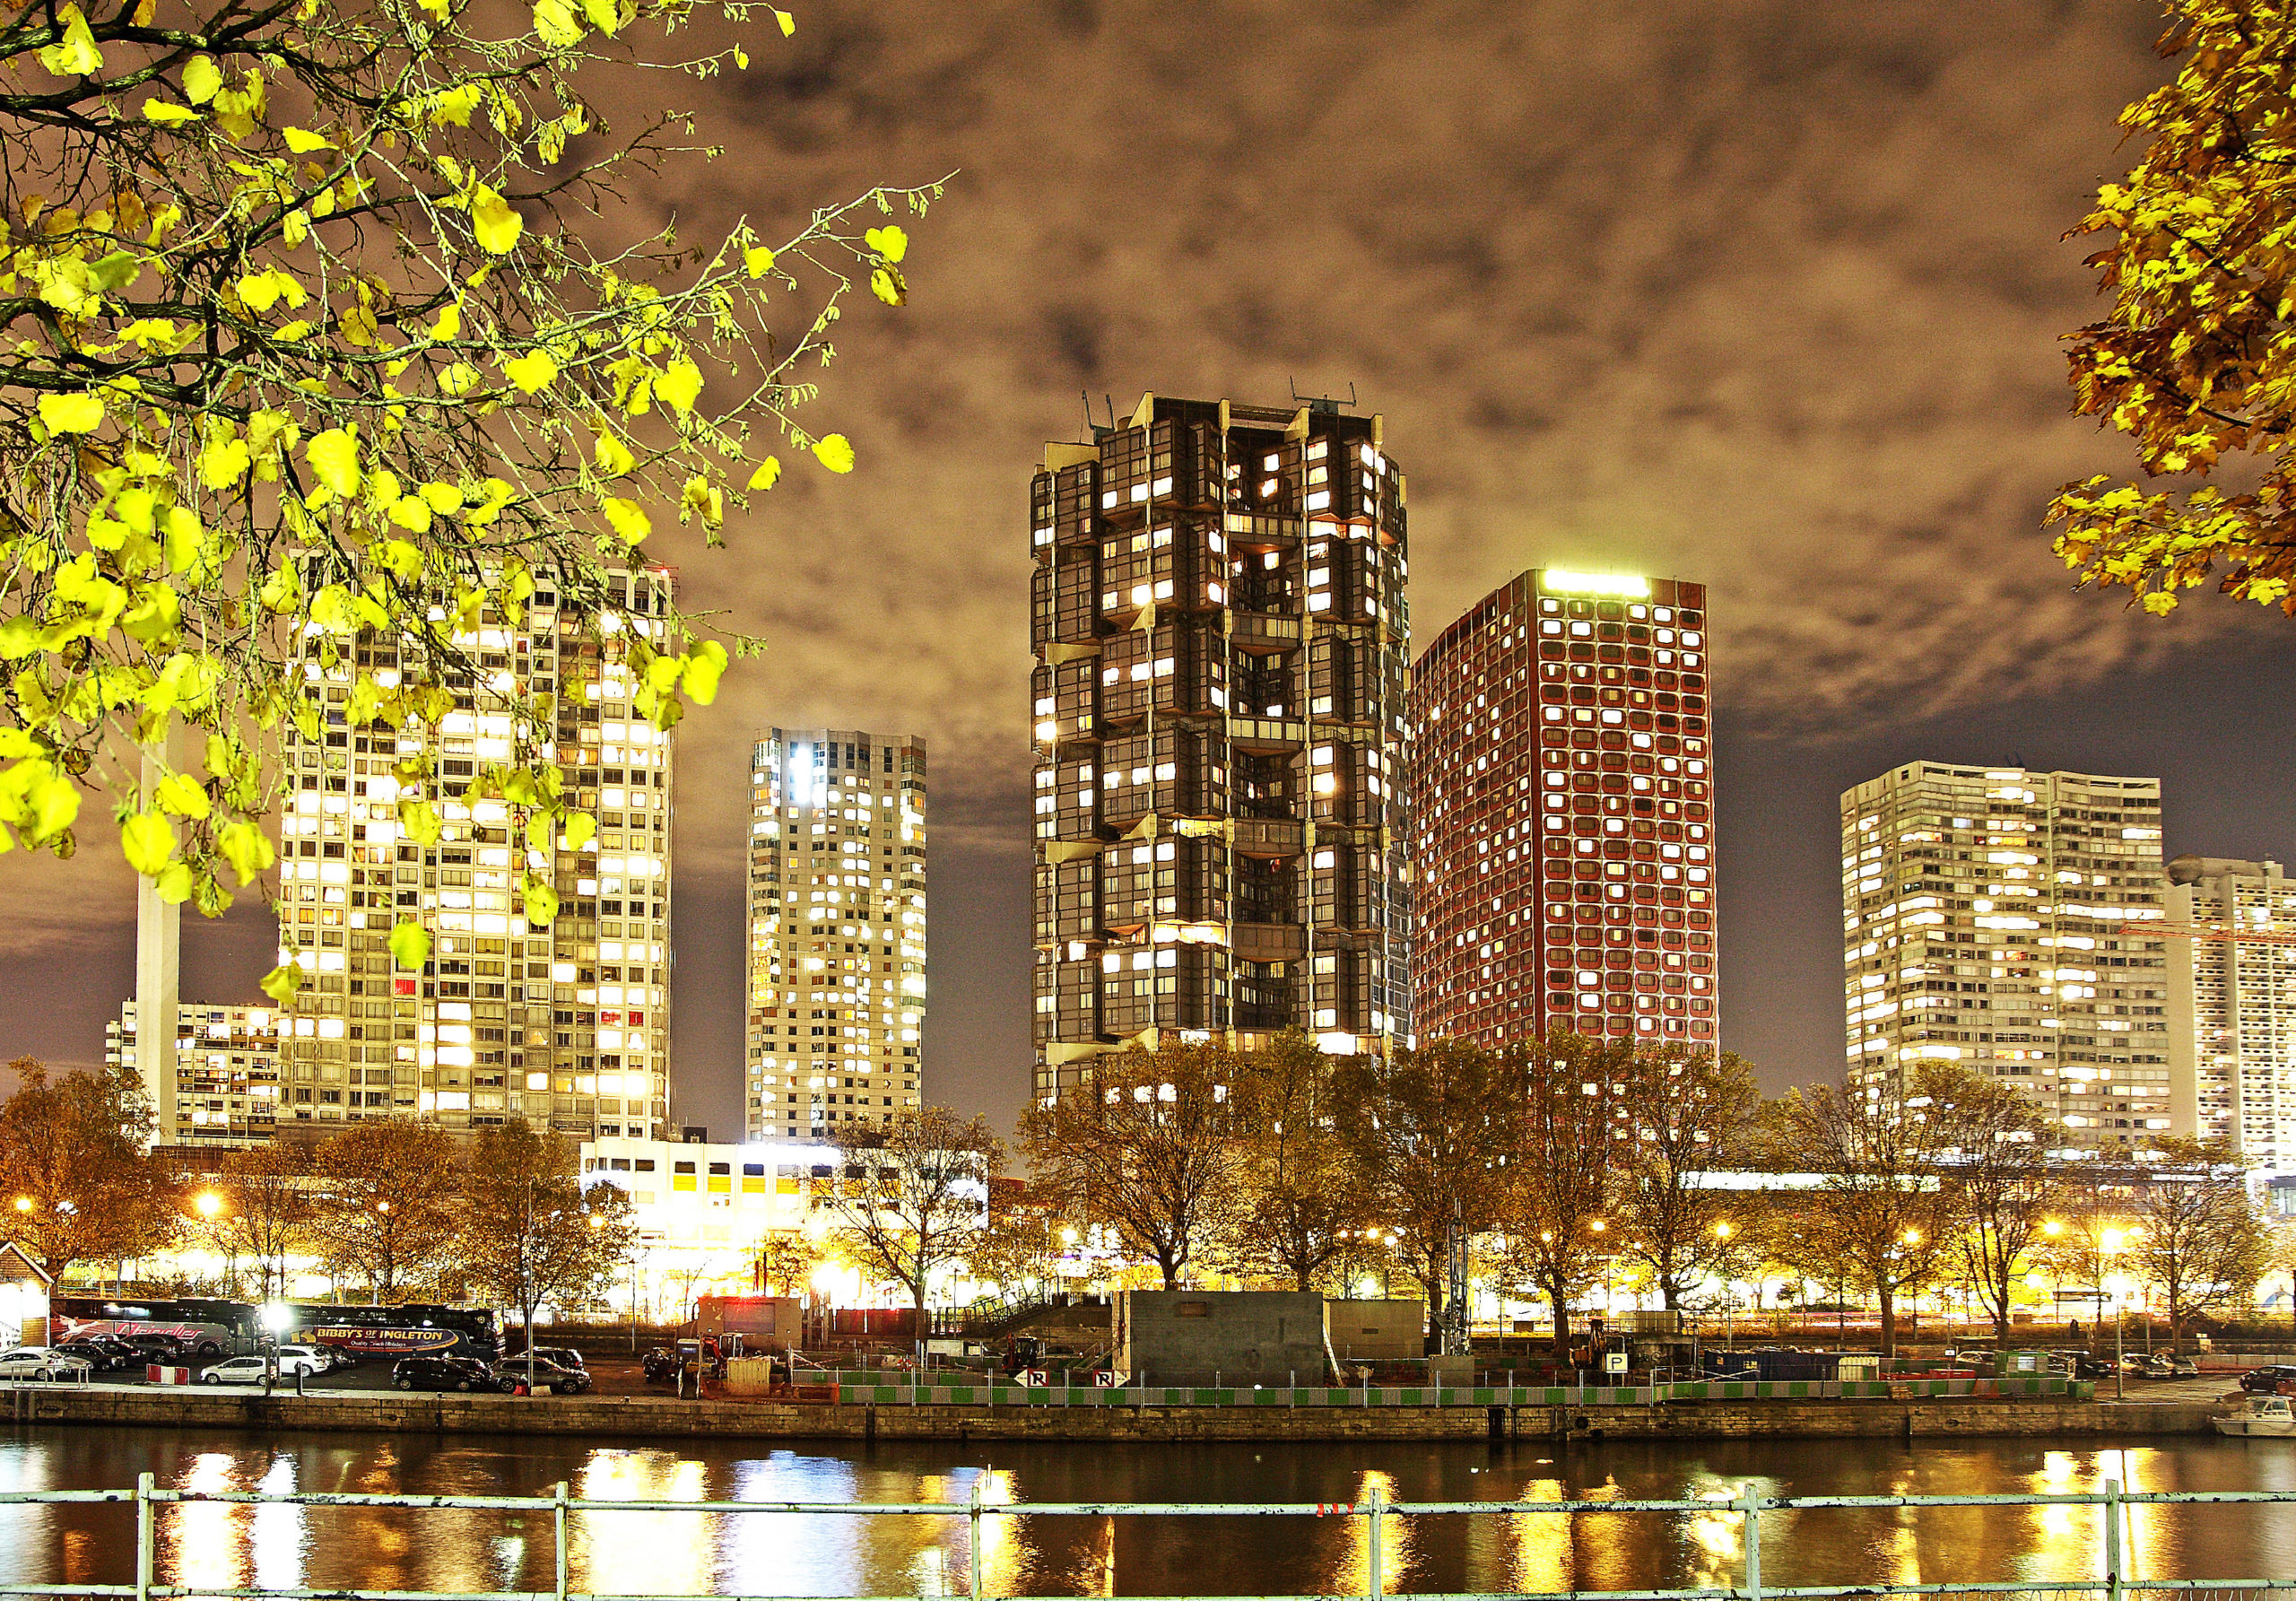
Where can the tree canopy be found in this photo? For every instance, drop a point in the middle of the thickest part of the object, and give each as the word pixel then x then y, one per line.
pixel 318 332
pixel 2194 359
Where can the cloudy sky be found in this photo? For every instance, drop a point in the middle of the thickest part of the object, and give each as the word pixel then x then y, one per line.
pixel 1766 295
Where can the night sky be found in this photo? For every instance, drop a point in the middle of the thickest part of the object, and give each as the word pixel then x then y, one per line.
pixel 1766 296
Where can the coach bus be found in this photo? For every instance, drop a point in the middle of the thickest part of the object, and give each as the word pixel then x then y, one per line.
pixel 376 1332
pixel 203 1328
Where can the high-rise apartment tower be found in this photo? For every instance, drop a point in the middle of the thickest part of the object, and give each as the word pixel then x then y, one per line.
pixel 1995 916
pixel 1221 643
pixel 836 967
pixel 566 1027
pixel 2232 1008
pixel 1563 814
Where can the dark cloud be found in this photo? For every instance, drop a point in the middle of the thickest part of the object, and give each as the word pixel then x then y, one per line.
pixel 1766 295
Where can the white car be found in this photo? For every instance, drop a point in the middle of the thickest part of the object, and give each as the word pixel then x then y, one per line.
pixel 250 1369
pixel 38 1361
pixel 313 1359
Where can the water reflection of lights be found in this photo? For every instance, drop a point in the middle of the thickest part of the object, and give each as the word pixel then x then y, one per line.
pixel 632 1553
pixel 279 1532
pixel 1717 1539
pixel 1543 1555
pixel 207 1536
pixel 1353 1573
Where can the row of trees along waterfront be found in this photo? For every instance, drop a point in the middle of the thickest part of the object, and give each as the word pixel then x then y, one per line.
pixel 1564 1165
pixel 1574 1161
pixel 402 1209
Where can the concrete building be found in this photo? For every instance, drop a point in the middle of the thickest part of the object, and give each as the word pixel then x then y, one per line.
pixel 836 958
pixel 1220 644
pixel 2232 1008
pixel 1995 916
pixel 565 1026
pixel 224 1090
pixel 1562 814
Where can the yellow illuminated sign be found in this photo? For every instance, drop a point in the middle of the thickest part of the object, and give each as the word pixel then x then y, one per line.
pixel 1556 581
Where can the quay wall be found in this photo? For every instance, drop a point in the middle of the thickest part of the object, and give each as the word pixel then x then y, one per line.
pixel 665 1418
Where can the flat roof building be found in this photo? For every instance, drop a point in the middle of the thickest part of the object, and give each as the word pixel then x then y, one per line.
pixel 1563 814
pixel 2232 1007
pixel 836 952
pixel 1995 916
pixel 1220 644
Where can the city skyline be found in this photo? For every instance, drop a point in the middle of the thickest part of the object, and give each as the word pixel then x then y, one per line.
pixel 1846 417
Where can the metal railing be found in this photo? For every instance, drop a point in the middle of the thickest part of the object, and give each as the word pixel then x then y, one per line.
pixel 2112 1582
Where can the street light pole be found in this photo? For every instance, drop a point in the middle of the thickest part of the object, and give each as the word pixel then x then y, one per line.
pixel 2120 1377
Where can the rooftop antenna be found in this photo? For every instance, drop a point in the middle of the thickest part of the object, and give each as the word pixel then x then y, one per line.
pixel 1321 402
pixel 1087 396
pixel 1110 400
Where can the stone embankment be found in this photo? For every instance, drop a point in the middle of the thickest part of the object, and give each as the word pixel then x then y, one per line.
pixel 665 1418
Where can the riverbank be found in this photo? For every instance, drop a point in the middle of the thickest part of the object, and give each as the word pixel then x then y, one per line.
pixel 645 1417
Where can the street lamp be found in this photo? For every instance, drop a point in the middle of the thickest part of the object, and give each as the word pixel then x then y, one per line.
pixel 207 1203
pixel 23 1202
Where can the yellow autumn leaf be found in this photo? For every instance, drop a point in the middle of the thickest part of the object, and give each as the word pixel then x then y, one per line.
pixel 788 23
pixel 303 142
pixel 835 452
pixel 555 21
pixel 410 944
pixel 628 519
pixel 888 286
pixel 75 55
pixel 613 456
pixel 768 474
pixel 495 222
pixel 281 982
pixel 890 242
pixel 334 455
pixel 532 371
pixel 201 80
pixel 73 413
pixel 156 109
pixel 704 668
pixel 182 795
pixel 759 260
pixel 680 384
pixel 147 840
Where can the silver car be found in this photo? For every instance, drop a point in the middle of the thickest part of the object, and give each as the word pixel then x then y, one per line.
pixel 29 1362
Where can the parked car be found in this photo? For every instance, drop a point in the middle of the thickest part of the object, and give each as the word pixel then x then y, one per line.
pixel 565 1356
pixel 442 1373
pixel 2162 1365
pixel 547 1377
pixel 312 1359
pixel 102 1355
pixel 2265 1381
pixel 240 1369
pixel 159 1347
pixel 2091 1367
pixel 40 1362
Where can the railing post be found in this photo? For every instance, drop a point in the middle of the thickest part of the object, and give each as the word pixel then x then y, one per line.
pixel 973 1543
pixel 2112 1540
pixel 558 1531
pixel 1749 1517
pixel 146 1540
pixel 1374 1510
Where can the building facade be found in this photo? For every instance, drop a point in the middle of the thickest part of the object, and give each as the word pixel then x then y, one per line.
pixel 2232 1007
pixel 1995 916
pixel 225 1077
pixel 1563 814
pixel 836 978
pixel 564 1026
pixel 1220 643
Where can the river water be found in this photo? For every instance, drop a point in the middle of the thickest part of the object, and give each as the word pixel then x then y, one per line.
pixel 687 1554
